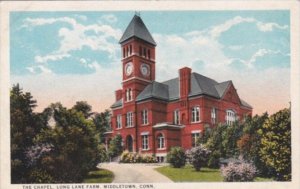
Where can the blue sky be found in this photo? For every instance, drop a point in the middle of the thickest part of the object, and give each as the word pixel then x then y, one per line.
pixel 70 56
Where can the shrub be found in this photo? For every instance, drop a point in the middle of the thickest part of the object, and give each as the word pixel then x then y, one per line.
pixel 176 157
pixel 238 172
pixel 130 157
pixel 198 156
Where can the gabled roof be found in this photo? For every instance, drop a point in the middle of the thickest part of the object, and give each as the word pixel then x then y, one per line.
pixel 169 90
pixel 137 28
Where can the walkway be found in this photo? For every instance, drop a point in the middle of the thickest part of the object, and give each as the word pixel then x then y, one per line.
pixel 135 173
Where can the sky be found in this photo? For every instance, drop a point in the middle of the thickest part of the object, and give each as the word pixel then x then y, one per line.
pixel 75 56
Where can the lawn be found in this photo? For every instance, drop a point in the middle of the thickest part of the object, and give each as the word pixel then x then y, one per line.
pixel 99 176
pixel 188 174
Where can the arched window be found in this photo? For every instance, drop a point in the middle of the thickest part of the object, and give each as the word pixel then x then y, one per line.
pixel 230 117
pixel 160 141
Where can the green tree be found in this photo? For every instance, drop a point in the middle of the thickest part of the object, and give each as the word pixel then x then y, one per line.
pixel 250 143
pixel 115 147
pixel 102 123
pixel 75 143
pixel 25 125
pixel 83 107
pixel 276 144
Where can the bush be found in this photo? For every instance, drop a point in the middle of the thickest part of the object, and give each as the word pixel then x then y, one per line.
pixel 130 157
pixel 238 172
pixel 198 156
pixel 176 157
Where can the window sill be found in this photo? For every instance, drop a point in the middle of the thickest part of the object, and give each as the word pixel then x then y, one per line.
pixel 146 149
pixel 145 124
pixel 127 127
pixel 161 148
pixel 196 122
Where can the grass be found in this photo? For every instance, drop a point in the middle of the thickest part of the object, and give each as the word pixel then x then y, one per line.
pixel 188 174
pixel 99 176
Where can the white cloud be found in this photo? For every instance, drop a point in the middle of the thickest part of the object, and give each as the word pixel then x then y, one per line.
pixel 95 36
pixel 50 57
pixel 110 18
pixel 267 27
pixel 235 47
pixel 39 69
pixel 216 31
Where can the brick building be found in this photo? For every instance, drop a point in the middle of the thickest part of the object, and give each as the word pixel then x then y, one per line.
pixel 153 116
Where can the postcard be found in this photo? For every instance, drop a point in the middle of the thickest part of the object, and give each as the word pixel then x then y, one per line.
pixel 149 94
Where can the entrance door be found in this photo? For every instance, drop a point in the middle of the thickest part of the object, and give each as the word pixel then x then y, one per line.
pixel 129 142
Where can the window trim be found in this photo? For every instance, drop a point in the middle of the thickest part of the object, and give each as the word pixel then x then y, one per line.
pixel 213 115
pixel 145 117
pixel 194 139
pixel 161 138
pixel 230 118
pixel 145 138
pixel 129 119
pixel 194 113
pixel 119 121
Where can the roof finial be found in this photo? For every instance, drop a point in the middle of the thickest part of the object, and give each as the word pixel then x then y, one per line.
pixel 137 13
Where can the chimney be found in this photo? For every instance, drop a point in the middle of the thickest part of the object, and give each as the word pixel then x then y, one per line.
pixel 185 81
pixel 118 94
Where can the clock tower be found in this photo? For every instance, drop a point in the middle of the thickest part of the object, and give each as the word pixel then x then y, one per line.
pixel 138 59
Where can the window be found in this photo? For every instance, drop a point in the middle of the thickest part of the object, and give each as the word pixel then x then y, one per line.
pixel 176 117
pixel 230 117
pixel 145 117
pixel 130 49
pixel 195 114
pixel 128 95
pixel 160 141
pixel 144 54
pixel 213 115
pixel 145 142
pixel 129 119
pixel 195 138
pixel 148 53
pixel 140 51
pixel 119 121
pixel 124 52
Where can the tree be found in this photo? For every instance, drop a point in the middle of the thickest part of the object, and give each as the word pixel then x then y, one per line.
pixel 249 144
pixel 25 125
pixel 75 145
pixel 102 123
pixel 276 144
pixel 83 107
pixel 176 157
pixel 115 147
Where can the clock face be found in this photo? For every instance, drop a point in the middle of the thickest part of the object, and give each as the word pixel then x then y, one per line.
pixel 145 69
pixel 128 68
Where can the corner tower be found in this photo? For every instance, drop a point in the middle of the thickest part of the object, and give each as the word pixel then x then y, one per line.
pixel 138 58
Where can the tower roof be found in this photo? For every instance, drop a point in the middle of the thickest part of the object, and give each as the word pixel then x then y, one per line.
pixel 137 28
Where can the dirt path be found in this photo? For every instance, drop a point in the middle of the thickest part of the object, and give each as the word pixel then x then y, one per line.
pixel 135 173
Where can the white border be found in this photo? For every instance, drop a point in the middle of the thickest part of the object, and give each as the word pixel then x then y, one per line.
pixel 293 6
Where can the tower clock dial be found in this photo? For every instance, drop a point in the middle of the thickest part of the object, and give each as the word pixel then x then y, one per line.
pixel 128 68
pixel 145 69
